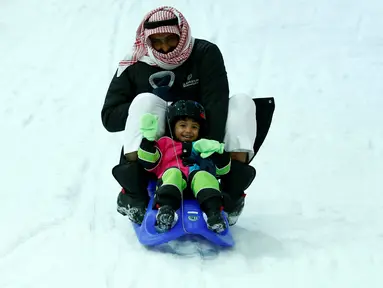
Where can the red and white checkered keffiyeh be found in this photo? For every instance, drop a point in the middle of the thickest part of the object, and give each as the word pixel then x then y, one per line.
pixel 143 51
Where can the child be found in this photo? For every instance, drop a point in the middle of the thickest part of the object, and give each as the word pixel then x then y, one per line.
pixel 183 162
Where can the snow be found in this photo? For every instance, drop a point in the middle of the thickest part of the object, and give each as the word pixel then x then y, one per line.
pixel 313 214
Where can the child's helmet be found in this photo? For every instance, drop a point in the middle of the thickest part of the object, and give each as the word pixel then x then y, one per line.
pixel 187 108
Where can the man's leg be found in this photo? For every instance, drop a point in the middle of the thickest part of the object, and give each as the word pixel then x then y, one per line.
pixel 239 156
pixel 133 198
pixel 234 185
pixel 239 140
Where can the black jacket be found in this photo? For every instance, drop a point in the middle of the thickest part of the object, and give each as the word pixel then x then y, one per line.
pixel 202 78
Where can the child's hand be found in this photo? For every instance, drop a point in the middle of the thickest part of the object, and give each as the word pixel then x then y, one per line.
pixel 149 126
pixel 207 147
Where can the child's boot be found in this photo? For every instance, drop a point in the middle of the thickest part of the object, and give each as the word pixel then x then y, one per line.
pixel 215 221
pixel 166 218
pixel 212 207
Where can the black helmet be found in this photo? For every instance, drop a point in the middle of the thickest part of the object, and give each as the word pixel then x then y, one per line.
pixel 187 108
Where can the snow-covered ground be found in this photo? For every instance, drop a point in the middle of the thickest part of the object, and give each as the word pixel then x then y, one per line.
pixel 314 212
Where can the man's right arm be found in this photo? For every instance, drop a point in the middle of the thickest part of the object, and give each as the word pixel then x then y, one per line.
pixel 117 102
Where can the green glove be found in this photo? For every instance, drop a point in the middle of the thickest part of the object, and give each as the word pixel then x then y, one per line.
pixel 207 147
pixel 149 126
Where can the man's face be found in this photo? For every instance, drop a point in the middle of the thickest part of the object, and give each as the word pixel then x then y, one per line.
pixel 164 42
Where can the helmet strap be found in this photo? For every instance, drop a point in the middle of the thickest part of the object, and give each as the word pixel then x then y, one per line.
pixel 179 167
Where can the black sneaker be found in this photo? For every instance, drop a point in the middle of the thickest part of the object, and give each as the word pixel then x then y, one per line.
pixel 166 218
pixel 216 222
pixel 135 214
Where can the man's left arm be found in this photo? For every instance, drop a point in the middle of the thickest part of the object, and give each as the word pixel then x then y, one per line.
pixel 214 92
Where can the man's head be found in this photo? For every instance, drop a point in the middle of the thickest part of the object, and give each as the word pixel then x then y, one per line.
pixel 163 39
pixel 162 31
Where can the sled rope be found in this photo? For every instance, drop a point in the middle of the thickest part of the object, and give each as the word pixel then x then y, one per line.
pixel 179 167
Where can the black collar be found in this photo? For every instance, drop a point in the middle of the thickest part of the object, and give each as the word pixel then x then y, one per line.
pixel 156 24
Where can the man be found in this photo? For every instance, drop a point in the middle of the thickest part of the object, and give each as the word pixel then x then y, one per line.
pixel 168 64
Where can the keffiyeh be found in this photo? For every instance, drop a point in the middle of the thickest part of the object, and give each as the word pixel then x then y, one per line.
pixel 144 52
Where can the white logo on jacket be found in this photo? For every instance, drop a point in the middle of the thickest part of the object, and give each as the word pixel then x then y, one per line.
pixel 190 81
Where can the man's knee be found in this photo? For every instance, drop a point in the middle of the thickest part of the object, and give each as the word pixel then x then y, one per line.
pixel 241 111
pixel 241 102
pixel 240 127
pixel 145 103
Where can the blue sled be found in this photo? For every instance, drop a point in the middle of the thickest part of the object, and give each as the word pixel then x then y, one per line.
pixel 192 222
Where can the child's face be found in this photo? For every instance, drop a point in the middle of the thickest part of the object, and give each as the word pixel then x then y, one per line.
pixel 186 130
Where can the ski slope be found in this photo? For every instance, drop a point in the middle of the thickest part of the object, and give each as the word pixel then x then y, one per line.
pixel 314 212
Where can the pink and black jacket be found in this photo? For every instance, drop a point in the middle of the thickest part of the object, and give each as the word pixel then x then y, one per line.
pixel 158 156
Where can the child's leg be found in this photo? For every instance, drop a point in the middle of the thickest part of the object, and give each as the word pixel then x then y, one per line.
pixel 206 189
pixel 169 192
pixel 168 198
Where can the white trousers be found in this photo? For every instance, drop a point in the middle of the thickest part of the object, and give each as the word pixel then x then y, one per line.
pixel 241 126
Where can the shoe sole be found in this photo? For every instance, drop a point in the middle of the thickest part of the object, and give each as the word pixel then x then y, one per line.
pixel 131 213
pixel 217 228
